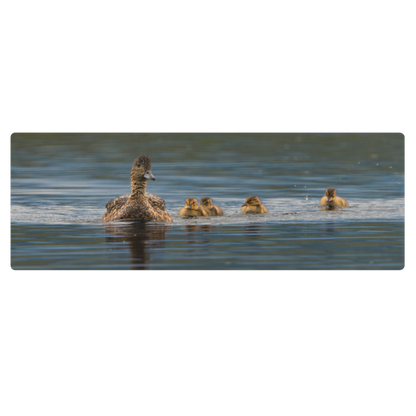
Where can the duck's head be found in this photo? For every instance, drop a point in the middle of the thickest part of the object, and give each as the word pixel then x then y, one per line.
pixel 206 202
pixel 330 194
pixel 191 203
pixel 142 169
pixel 252 201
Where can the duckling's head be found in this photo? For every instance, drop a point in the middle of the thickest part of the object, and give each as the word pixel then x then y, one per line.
pixel 191 203
pixel 206 202
pixel 252 201
pixel 330 194
pixel 142 169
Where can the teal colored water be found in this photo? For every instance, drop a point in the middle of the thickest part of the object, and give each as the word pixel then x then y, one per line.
pixel 61 183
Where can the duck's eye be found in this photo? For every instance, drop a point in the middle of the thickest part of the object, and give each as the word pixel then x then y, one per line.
pixel 138 164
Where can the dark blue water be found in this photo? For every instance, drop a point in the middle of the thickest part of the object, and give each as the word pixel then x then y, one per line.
pixel 61 183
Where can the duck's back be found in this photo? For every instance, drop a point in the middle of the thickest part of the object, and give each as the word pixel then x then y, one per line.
pixel 116 208
pixel 134 209
pixel 138 209
pixel 156 201
pixel 116 203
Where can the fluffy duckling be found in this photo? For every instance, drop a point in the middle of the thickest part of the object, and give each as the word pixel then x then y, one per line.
pixel 138 205
pixel 209 207
pixel 253 205
pixel 192 209
pixel 332 199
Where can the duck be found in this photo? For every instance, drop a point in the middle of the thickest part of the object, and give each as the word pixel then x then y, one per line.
pixel 331 199
pixel 138 205
pixel 192 209
pixel 207 205
pixel 253 205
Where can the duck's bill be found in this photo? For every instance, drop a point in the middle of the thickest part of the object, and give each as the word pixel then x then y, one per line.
pixel 244 205
pixel 149 175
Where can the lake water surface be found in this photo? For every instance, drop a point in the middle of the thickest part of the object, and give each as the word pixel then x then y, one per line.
pixel 61 183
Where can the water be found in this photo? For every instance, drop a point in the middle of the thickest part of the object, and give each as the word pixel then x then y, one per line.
pixel 61 183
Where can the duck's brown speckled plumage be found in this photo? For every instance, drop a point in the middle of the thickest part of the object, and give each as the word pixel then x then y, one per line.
pixel 154 200
pixel 138 205
pixel 207 205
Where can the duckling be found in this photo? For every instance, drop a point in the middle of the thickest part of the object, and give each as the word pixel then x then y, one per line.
pixel 138 205
pixel 253 205
pixel 192 209
pixel 208 206
pixel 332 199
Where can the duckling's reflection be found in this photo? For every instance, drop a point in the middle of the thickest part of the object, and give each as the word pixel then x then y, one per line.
pixel 253 231
pixel 330 228
pixel 192 232
pixel 141 236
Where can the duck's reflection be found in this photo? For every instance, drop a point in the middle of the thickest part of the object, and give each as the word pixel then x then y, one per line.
pixel 142 237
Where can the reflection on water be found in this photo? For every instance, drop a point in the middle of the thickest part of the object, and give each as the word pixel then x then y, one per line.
pixel 197 239
pixel 253 231
pixel 139 236
pixel 194 228
pixel 329 227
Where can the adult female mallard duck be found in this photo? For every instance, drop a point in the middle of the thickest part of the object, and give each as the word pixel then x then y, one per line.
pixel 208 206
pixel 253 205
pixel 192 209
pixel 330 198
pixel 138 205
